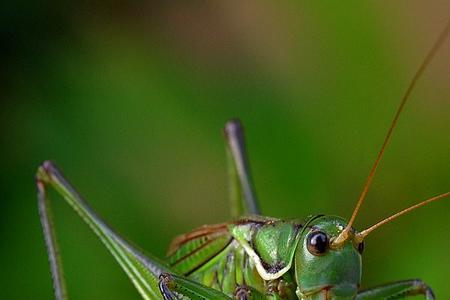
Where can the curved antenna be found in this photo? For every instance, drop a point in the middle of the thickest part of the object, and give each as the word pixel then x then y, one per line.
pixel 359 237
pixel 343 236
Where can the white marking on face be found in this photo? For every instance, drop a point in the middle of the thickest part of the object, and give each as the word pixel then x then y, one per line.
pixel 259 267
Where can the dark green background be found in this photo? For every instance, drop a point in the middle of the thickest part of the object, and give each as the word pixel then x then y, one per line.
pixel 129 99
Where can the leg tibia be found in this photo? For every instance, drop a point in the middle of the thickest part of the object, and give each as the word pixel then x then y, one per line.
pixel 142 270
pixel 397 290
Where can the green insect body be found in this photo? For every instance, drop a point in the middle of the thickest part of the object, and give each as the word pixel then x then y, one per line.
pixel 252 257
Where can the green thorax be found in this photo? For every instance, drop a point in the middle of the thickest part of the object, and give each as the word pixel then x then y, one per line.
pixel 254 251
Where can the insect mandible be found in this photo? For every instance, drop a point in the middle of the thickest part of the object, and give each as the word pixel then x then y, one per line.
pixel 251 257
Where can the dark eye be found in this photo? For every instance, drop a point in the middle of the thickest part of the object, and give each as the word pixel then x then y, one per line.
pixel 317 243
pixel 361 247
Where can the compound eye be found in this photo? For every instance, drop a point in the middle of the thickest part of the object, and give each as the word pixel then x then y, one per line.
pixel 317 243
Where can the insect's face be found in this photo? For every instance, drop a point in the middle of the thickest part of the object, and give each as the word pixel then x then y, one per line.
pixel 321 271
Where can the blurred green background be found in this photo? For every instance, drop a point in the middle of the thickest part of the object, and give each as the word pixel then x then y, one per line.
pixel 129 99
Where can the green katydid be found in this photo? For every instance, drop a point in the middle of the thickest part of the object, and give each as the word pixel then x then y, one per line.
pixel 251 257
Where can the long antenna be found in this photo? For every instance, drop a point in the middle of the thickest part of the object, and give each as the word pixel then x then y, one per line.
pixel 360 236
pixel 431 54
